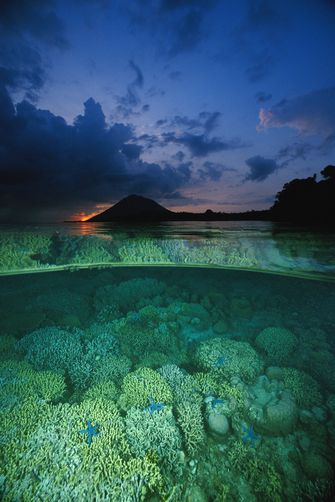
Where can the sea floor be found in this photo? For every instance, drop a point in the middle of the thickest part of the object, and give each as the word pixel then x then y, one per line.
pixel 171 384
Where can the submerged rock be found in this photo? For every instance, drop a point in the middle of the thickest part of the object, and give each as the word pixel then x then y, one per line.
pixel 218 423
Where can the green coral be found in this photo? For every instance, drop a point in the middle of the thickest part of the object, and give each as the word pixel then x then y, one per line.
pixel 207 383
pixel 141 385
pixel 156 432
pixel 142 251
pixel 104 390
pixel 38 437
pixel 239 358
pixel 80 249
pixel 258 470
pixel 191 422
pixel 19 381
pixel 51 348
pixel 111 367
pixel 277 343
pixel 302 386
pixel 149 330
pixel 21 250
pixel 234 396
pixel 127 294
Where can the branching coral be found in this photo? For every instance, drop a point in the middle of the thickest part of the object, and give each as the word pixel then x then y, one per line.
pixel 302 386
pixel 40 437
pixel 142 251
pixel 102 390
pixel 190 420
pixel 277 343
pixel 259 471
pixel 127 294
pixel 157 432
pixel 111 367
pixel 149 330
pixel 229 357
pixel 51 348
pixel 19 381
pixel 141 385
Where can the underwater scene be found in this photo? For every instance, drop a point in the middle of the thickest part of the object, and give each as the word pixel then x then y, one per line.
pixel 170 384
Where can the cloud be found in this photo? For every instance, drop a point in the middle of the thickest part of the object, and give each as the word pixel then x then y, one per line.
pixel 50 169
pixel 311 113
pixel 34 17
pixel 26 26
pixel 211 171
pixel 205 121
pixel 260 168
pixel 201 145
pixel 131 100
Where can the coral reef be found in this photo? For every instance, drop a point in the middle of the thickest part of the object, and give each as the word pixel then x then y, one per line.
pixel 142 251
pixel 51 348
pixel 156 432
pixel 272 410
pixel 102 390
pixel 127 294
pixel 149 331
pixel 19 381
pixel 277 344
pixel 191 422
pixel 229 357
pixel 302 386
pixel 259 471
pixel 141 385
pixel 54 439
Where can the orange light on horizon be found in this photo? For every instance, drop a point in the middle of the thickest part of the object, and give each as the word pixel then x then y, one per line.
pixel 83 216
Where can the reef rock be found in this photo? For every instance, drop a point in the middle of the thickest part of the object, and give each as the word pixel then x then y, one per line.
pixel 218 423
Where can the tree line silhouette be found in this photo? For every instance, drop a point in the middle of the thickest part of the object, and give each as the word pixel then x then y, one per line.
pixel 307 200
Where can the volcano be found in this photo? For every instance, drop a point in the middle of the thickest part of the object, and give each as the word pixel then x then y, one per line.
pixel 135 207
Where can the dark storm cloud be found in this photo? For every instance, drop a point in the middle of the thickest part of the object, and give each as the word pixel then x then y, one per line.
pixel 262 97
pixel 311 113
pixel 50 168
pixel 24 25
pixel 260 168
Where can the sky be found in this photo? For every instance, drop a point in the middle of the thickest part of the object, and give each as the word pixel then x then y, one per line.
pixel 195 103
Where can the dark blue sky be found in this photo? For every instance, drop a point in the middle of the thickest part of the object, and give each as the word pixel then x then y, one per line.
pixel 196 103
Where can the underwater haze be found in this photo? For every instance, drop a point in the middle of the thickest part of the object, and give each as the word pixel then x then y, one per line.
pixel 140 367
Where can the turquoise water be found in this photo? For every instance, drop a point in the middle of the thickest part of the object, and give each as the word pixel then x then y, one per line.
pixel 163 382
pixel 265 246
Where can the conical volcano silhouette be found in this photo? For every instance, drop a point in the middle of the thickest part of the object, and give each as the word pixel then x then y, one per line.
pixel 134 207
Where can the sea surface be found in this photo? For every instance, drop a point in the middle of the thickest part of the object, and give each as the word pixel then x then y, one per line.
pixel 180 362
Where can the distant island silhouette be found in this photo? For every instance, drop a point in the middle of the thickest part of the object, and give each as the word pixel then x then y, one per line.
pixel 301 200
